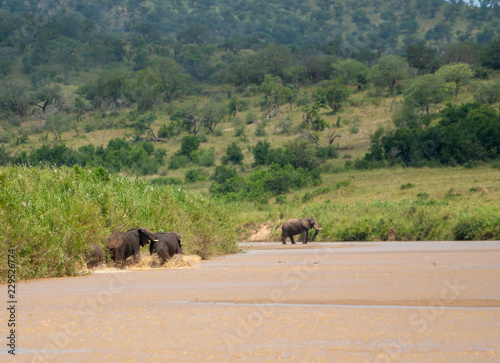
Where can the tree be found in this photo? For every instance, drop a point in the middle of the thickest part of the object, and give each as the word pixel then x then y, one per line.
pixel 290 94
pixel 465 52
pixel 233 155
pixel 143 125
pixel 145 89
pixel 213 112
pixel 191 121
pixel 420 56
pixel 492 56
pixel 458 73
pixel 16 95
pixel 388 71
pixel 58 123
pixel 333 92
pixel 440 31
pixel 112 88
pixel 108 88
pixel 487 92
pixel 426 90
pixel 195 33
pixel 173 82
pixel 274 94
pixel 47 95
pixel 189 144
pixel 260 151
pixel 352 72
pixel 80 107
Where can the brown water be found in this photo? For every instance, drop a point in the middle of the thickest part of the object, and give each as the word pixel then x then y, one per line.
pixel 366 302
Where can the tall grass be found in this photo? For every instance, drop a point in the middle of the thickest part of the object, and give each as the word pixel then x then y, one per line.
pixel 50 215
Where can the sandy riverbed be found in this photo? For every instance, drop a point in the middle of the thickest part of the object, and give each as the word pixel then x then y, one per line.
pixel 323 302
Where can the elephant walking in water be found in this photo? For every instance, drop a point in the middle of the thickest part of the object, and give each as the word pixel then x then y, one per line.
pixel 166 245
pixel 299 226
pixel 122 245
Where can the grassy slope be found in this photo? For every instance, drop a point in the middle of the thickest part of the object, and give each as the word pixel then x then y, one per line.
pixel 360 117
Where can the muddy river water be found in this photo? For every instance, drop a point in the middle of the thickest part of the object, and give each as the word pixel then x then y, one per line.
pixel 320 302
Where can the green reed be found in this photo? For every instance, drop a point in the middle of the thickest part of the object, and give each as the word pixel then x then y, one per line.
pixel 49 215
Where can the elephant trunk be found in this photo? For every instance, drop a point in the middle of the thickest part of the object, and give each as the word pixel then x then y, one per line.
pixel 316 233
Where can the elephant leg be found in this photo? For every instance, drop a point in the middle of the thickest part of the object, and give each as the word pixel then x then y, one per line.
pixel 164 257
pixel 304 237
pixel 291 239
pixel 283 239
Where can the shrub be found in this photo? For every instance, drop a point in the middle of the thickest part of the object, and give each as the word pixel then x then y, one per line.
pixel 359 232
pixel 342 184
pixel 189 144
pixel 178 161
pixel 407 186
pixel 307 197
pixel 467 230
pixel 239 130
pixel 193 175
pixel 233 155
pixel 465 135
pixel 327 152
pixel 281 199
pixel 260 130
pixel 204 157
pixel 422 195
pixel 260 152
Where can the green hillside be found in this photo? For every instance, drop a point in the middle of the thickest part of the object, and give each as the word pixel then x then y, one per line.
pixel 269 108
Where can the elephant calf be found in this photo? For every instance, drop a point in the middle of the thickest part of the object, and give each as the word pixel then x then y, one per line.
pixel 122 245
pixel 94 256
pixel 166 245
pixel 299 226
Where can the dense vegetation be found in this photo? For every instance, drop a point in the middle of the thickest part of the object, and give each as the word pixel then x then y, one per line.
pixel 50 215
pixel 464 135
pixel 255 105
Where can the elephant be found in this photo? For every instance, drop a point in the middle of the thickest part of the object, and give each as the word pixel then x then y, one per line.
pixel 299 226
pixel 94 256
pixel 167 245
pixel 122 245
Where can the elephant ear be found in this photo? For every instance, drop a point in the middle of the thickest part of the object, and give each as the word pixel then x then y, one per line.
pixel 305 223
pixel 313 223
pixel 145 236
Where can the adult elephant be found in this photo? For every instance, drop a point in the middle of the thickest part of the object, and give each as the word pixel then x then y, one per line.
pixel 299 226
pixel 94 256
pixel 167 245
pixel 122 245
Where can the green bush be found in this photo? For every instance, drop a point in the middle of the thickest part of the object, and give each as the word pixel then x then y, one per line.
pixel 407 186
pixel 204 157
pixel 260 130
pixel 465 135
pixel 234 155
pixel 189 144
pixel 281 199
pixel 120 155
pixel 342 184
pixel 194 175
pixel 467 230
pixel 178 161
pixel 307 197
pixel 327 152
